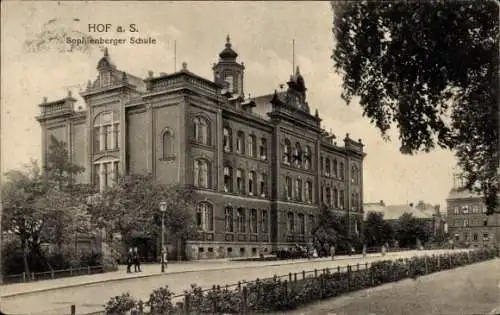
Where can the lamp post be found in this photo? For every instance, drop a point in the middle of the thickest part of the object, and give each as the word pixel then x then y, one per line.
pixel 163 209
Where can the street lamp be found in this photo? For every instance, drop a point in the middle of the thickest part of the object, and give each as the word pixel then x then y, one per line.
pixel 163 209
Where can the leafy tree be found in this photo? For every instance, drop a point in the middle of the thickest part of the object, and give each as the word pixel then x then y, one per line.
pixel 59 167
pixel 377 230
pixel 131 208
pixel 430 68
pixel 410 229
pixel 330 230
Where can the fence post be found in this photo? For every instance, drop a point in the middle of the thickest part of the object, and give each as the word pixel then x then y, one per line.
pixel 321 289
pixel 451 264
pixel 349 277
pixel 214 302
pixel 439 263
pixel 303 274
pixel 315 273
pixel 371 276
pixel 289 277
pixel 426 266
pixel 357 266
pixel 468 257
pixel 70 271
pixel 245 298
pixel 73 309
pixel 239 286
pixel 32 276
pixel 295 277
pixel 257 283
pixel 24 276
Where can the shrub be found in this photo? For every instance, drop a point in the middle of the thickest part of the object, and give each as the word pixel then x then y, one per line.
pixel 160 301
pixel 120 305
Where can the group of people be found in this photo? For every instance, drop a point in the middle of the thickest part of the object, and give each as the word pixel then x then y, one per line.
pixel 133 259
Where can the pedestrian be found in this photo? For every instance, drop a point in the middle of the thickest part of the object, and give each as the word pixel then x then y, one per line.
pixel 130 259
pixel 332 251
pixel 137 262
pixel 364 250
pixel 383 250
pixel 315 253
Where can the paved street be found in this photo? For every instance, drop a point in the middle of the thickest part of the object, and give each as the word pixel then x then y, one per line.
pixel 473 289
pixel 179 277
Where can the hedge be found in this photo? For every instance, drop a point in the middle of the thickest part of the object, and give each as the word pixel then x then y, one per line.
pixel 290 291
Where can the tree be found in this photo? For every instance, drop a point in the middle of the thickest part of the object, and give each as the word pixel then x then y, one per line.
pixel 131 208
pixel 329 231
pixel 410 229
pixel 377 230
pixel 59 167
pixel 430 68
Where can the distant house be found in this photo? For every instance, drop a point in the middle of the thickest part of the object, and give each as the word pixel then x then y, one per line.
pixel 426 212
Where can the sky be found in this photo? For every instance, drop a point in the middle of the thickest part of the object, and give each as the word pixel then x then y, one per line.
pixel 35 65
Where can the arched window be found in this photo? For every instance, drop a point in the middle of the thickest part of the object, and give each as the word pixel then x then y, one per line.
pixel 251 183
pixel 229 219
pixel 335 168
pixel 106 132
pixel 253 221
pixel 252 146
pixel 341 171
pixel 201 130
pixel 240 220
pixel 308 192
pixel 240 142
pixel 328 196
pixel 228 139
pixel 335 198
pixel 307 158
pixel 168 144
pixel 240 181
pixel 201 173
pixel 298 189
pixel 288 188
pixel 228 178
pixel 290 223
pixel 287 152
pixel 205 216
pixel 297 155
pixel 327 167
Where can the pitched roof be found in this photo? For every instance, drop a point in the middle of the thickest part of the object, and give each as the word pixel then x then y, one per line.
pixel 393 212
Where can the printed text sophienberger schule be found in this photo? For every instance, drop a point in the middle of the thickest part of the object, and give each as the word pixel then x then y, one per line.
pixel 85 40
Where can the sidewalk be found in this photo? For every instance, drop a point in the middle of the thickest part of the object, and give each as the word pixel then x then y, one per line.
pixel 149 270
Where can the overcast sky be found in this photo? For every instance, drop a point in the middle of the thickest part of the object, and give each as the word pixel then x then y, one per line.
pixel 261 33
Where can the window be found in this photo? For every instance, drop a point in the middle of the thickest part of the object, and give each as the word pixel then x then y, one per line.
pixel 229 219
pixel 475 209
pixel 335 198
pixel 252 151
pixel 263 149
pixel 342 199
pixel 328 196
pixel 230 83
pixel 353 201
pixel 97 175
pixel 106 132
pixel 322 196
pixel 342 174
pixel 253 221
pixel 321 164
pixel 240 181
pixel 287 148
pixel 288 188
pixel 228 139
pixel 327 167
pixel 240 143
pixel 485 237
pixel 485 222
pixel 168 144
pixel 262 185
pixel 251 183
pixel 106 174
pixel 308 191
pixel 201 130
pixel 228 178
pixel 355 175
pixel 310 223
pixel 290 225
pixel 335 168
pixel 297 155
pixel 205 217
pixel 240 220
pixel 485 209
pixel 466 222
pixel 201 173
pixel 307 158
pixel 475 237
pixel 298 189
pixel 456 210
pixel 264 227
pixel 465 209
pixel 302 224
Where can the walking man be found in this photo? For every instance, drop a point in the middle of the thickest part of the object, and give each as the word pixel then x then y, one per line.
pixel 332 251
pixel 130 259
pixel 137 263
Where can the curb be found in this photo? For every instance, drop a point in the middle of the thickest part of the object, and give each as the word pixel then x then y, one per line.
pixel 9 295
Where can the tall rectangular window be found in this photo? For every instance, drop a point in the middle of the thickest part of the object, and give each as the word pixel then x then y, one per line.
pixel 265 221
pixel 298 189
pixel 108 137
pixel 251 183
pixel 288 188
pixel 263 149
pixel 241 220
pixel 116 135
pixel 97 177
pixel 262 184
pixel 291 223
pixel 251 146
pixel 229 219
pixel 97 139
pixel 239 181
pixel 253 221
pixel 228 179
pixel 116 171
pixel 310 224
pixel 302 224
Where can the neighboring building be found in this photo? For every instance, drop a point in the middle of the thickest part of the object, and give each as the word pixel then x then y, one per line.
pixel 468 223
pixel 260 166
pixel 422 211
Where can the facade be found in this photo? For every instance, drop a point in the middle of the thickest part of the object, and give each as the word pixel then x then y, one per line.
pixel 468 223
pixel 260 166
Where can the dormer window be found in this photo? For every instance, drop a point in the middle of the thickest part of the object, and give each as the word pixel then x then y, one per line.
pixel 230 83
